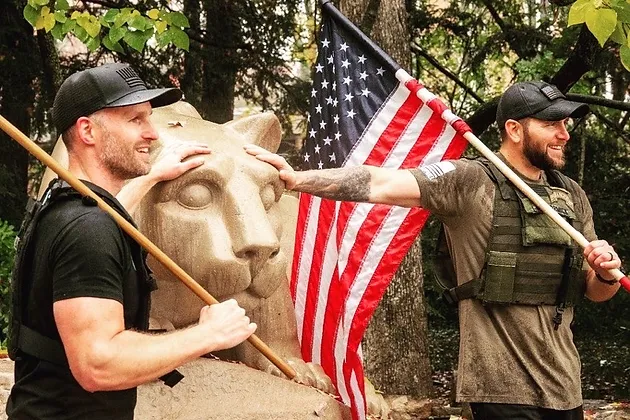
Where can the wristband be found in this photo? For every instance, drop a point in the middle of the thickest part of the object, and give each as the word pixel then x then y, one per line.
pixel 603 280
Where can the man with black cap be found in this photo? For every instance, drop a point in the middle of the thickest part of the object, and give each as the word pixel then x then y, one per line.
pixel 518 275
pixel 81 286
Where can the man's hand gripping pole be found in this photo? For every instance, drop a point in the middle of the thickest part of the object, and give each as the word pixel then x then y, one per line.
pixel 151 248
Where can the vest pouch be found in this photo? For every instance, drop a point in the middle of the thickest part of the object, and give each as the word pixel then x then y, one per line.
pixel 499 277
pixel 537 227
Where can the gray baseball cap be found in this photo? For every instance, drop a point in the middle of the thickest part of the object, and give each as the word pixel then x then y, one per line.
pixel 538 100
pixel 106 86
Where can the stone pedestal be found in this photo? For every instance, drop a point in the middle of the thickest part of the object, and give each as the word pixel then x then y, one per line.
pixel 213 389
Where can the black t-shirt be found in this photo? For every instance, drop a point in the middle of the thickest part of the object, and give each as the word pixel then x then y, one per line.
pixel 79 251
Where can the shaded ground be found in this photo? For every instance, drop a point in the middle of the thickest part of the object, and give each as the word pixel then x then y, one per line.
pixel 605 374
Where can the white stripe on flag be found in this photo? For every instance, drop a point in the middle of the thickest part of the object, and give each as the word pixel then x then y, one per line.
pixel 304 266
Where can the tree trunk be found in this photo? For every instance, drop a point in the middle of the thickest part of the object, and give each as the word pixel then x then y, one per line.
pixel 18 66
pixel 395 345
pixel 218 67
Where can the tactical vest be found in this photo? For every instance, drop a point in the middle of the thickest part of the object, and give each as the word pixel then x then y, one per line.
pixel 25 339
pixel 529 259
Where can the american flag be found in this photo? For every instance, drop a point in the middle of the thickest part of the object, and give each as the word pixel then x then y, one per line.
pixel 347 253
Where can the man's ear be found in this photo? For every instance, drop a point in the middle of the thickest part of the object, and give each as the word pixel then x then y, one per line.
pixel 85 129
pixel 513 131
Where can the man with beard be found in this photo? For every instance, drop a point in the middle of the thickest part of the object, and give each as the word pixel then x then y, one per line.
pixel 81 290
pixel 518 275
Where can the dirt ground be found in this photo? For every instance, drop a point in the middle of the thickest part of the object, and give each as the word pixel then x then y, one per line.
pixel 406 408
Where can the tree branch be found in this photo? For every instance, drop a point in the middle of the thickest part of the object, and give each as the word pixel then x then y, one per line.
pixel 598 100
pixel 415 48
pixel 612 125
pixel 581 60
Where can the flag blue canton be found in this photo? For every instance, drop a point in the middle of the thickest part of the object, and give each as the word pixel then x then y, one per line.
pixel 349 87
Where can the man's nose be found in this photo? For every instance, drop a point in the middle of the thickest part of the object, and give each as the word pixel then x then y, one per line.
pixel 563 132
pixel 150 133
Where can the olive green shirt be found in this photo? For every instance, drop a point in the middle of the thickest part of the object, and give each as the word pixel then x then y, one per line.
pixel 507 354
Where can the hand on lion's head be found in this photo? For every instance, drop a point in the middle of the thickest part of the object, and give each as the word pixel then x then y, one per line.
pixel 221 222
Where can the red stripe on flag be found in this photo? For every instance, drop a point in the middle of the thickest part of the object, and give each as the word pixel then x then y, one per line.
pixel 324 223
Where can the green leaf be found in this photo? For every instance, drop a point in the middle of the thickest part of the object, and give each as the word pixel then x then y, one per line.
pixel 42 2
pixel 80 33
pixel 93 43
pixel 112 46
pixel 135 40
pixel 110 16
pixel 31 15
pixel 177 19
pixel 60 16
pixel 57 32
pixel 116 34
pixel 164 38
pixel 75 15
pixel 619 35
pixel 579 11
pixel 69 26
pixel 602 23
pixel 62 5
pixel 153 14
pixel 138 22
pixel 122 17
pixel 624 54
pixel 179 38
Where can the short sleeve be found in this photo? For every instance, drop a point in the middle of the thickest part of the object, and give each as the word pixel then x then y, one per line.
pixel 449 188
pixel 88 259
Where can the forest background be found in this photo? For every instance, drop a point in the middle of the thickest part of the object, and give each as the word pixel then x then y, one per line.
pixel 253 55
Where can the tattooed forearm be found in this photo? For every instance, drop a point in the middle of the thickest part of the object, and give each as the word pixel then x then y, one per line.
pixel 343 184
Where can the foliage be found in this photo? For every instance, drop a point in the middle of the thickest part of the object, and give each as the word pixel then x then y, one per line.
pixel 109 27
pixel 7 253
pixel 606 19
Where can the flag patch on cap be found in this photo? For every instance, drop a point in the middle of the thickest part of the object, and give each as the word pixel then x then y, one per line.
pixel 436 170
pixel 131 77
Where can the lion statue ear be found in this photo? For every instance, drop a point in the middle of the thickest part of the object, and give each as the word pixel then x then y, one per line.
pixel 260 129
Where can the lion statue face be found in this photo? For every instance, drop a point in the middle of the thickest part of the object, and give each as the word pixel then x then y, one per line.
pixel 221 222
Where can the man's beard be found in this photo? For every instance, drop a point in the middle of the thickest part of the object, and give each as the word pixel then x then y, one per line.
pixel 120 159
pixel 538 156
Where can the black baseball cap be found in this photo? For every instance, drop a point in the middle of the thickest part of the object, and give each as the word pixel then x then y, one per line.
pixel 538 100
pixel 107 86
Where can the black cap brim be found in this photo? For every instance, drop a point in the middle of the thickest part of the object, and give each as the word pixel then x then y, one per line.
pixel 157 98
pixel 561 109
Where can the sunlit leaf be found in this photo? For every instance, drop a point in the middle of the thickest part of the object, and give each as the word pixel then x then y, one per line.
pixel 160 26
pixel 153 14
pixel 579 10
pixel 602 23
pixel 49 22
